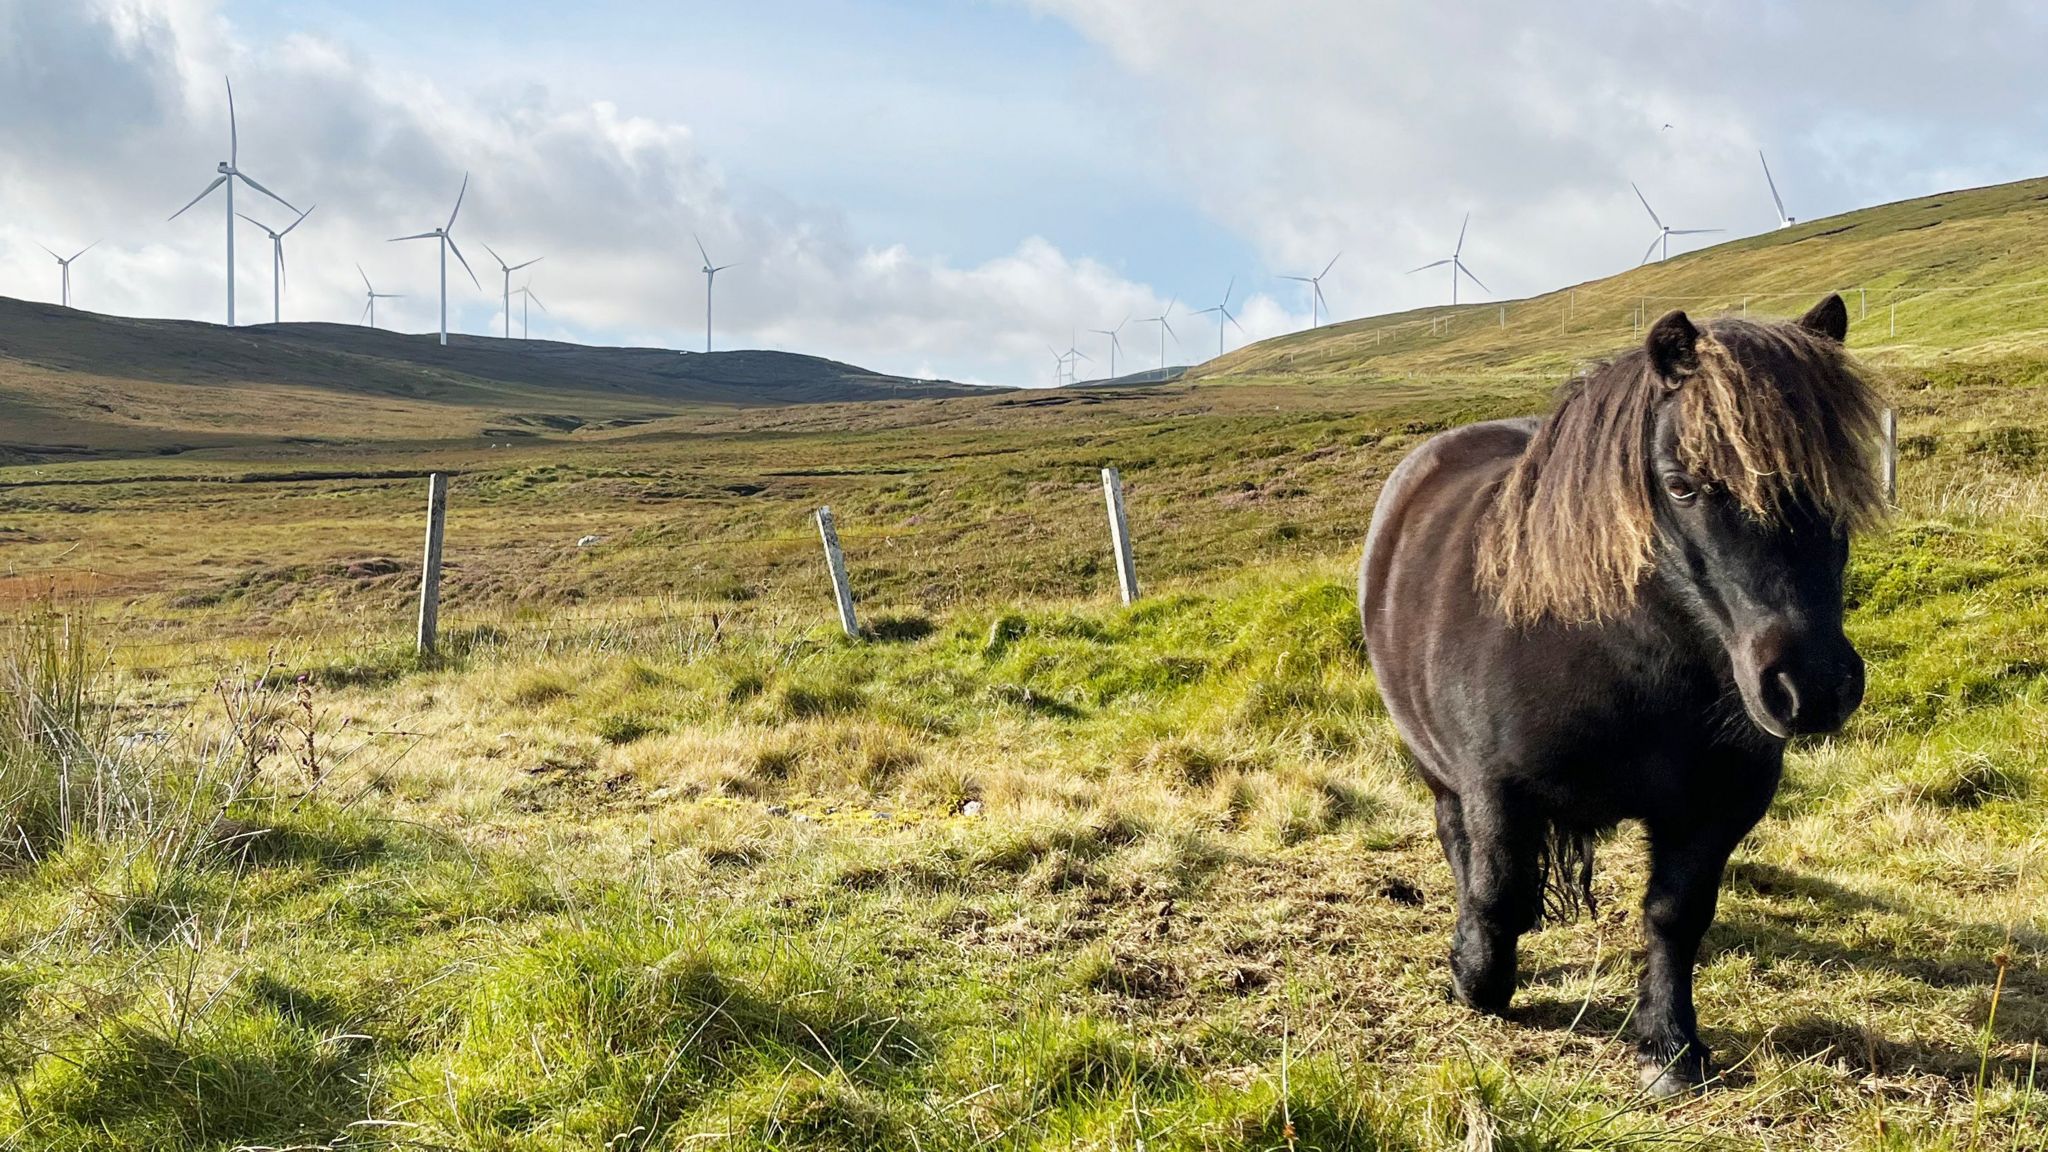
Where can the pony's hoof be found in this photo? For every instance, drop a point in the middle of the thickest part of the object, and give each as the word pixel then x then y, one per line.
pixel 1487 1001
pixel 1666 1078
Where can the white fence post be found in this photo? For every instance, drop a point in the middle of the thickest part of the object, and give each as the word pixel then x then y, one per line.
pixel 842 592
pixel 1891 456
pixel 1120 535
pixel 430 564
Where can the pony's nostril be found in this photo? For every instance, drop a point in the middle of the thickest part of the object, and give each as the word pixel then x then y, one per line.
pixel 1781 697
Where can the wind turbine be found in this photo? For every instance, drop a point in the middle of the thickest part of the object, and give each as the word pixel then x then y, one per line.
pixel 64 268
pixel 1457 262
pixel 1664 231
pixel 1165 329
pixel 527 297
pixel 277 260
pixel 1075 356
pixel 1784 221
pixel 508 270
pixel 370 290
pixel 1059 366
pixel 1224 318
pixel 229 173
pixel 711 272
pixel 1115 345
pixel 447 244
pixel 1315 286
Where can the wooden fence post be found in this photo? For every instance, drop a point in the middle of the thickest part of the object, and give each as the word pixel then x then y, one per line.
pixel 835 560
pixel 430 564
pixel 1891 456
pixel 1120 535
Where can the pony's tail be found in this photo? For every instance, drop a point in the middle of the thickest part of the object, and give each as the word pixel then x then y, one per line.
pixel 1566 866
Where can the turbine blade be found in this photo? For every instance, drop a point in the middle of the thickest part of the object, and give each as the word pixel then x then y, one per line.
pixel 266 191
pixel 1169 329
pixel 256 222
pixel 536 300
pixel 1474 279
pixel 1425 267
pixel 365 313
pixel 1695 231
pixel 299 221
pixel 1646 204
pixel 367 286
pixel 1081 354
pixel 495 256
pixel 414 236
pixel 53 255
pixel 217 182
pixel 284 274
pixel 723 267
pixel 450 241
pixel 84 250
pixel 1303 279
pixel 1340 256
pixel 1233 321
pixel 464 191
pixel 234 137
pixel 1775 198
pixel 700 249
pixel 1229 290
pixel 1651 251
pixel 528 264
pixel 1460 249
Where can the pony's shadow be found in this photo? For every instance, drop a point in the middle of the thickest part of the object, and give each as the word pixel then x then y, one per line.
pixel 1766 931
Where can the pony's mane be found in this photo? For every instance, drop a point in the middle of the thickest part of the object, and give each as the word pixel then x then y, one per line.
pixel 1773 412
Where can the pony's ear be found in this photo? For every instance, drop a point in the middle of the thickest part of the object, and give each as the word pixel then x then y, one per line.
pixel 1673 347
pixel 1829 318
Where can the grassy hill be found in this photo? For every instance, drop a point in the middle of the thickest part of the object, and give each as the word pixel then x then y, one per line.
pixel 1958 276
pixel 77 384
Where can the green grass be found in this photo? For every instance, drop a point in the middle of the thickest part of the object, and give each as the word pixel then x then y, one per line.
pixel 650 856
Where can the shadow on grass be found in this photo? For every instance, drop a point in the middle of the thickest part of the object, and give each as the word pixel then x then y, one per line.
pixel 1821 1037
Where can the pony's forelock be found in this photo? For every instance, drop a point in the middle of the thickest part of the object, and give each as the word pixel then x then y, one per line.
pixel 1772 413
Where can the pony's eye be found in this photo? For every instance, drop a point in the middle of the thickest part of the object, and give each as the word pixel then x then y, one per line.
pixel 1681 489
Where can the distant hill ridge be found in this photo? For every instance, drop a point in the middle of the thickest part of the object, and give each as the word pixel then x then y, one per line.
pixel 1960 274
pixel 75 383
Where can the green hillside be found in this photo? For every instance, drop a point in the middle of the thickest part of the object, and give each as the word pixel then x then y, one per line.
pixel 1960 275
pixel 78 384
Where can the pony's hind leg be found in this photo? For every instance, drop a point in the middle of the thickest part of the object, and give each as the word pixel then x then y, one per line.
pixel 1500 896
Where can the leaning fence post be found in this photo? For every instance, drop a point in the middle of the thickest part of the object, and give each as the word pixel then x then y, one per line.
pixel 835 561
pixel 1891 456
pixel 1120 535
pixel 430 564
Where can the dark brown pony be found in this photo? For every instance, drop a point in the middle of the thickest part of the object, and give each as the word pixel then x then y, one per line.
pixel 1623 611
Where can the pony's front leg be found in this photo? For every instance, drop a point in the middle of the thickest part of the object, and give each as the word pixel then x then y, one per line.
pixel 1500 896
pixel 1678 906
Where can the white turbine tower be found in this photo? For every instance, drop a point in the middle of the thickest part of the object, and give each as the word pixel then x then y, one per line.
pixel 1223 317
pixel 229 173
pixel 1784 221
pixel 508 270
pixel 1457 262
pixel 1074 358
pixel 1664 232
pixel 711 272
pixel 1315 289
pixel 1115 345
pixel 1165 330
pixel 277 260
pixel 370 291
pixel 64 269
pixel 526 297
pixel 1059 366
pixel 447 245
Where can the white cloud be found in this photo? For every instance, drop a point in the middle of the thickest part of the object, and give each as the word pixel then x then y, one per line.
pixel 118 113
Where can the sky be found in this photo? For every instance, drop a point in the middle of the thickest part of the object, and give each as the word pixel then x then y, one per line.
pixel 948 187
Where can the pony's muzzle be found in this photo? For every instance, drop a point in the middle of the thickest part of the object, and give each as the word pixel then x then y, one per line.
pixel 1790 689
